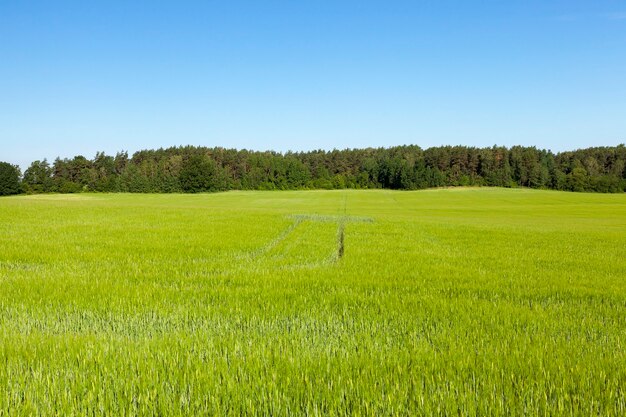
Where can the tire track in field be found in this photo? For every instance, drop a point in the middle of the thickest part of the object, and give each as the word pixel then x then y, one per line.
pixel 277 240
pixel 341 229
pixel 276 252
pixel 340 241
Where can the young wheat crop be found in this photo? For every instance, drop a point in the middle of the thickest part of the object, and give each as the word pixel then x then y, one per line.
pixel 446 302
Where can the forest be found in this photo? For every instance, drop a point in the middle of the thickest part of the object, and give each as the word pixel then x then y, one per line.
pixel 192 169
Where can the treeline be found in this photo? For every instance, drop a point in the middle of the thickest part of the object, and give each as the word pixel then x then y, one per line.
pixel 199 169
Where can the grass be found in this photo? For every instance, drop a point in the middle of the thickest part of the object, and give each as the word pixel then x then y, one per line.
pixel 444 302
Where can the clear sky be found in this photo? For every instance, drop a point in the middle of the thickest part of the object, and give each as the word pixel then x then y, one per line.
pixel 78 77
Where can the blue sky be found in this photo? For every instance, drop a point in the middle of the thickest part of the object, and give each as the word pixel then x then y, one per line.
pixel 79 77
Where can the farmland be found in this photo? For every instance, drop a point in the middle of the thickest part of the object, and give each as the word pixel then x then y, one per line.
pixel 467 301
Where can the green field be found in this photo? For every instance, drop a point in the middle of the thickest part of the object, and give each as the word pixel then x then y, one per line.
pixel 467 302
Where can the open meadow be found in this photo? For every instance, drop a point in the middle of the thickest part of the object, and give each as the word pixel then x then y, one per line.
pixel 465 301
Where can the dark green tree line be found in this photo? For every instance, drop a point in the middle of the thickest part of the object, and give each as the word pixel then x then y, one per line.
pixel 9 179
pixel 201 169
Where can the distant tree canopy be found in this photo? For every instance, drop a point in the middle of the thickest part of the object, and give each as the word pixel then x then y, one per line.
pixel 200 169
pixel 9 179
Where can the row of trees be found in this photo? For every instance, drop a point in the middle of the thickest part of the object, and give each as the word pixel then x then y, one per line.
pixel 200 169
